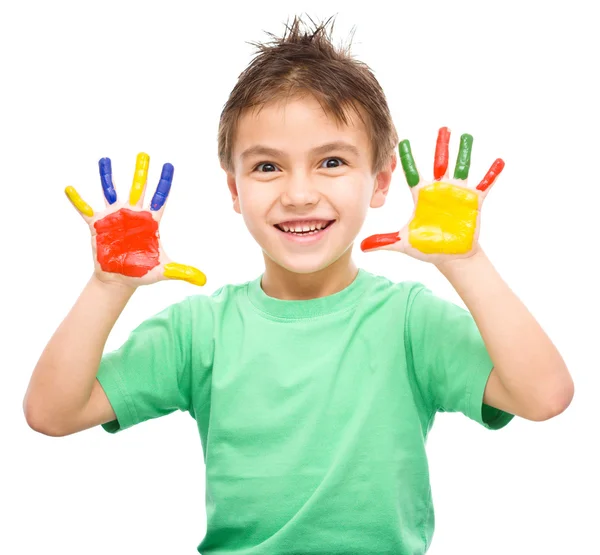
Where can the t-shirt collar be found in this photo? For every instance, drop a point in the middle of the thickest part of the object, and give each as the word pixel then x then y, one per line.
pixel 308 308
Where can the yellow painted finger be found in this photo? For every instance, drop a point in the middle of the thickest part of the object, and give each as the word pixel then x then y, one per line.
pixel 174 270
pixel 140 176
pixel 78 202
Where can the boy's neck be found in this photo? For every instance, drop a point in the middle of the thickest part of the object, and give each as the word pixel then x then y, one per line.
pixel 283 284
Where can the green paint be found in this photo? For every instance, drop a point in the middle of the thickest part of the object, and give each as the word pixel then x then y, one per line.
pixel 408 163
pixel 463 161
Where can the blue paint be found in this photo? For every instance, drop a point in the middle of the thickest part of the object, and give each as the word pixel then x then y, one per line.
pixel 106 177
pixel 163 188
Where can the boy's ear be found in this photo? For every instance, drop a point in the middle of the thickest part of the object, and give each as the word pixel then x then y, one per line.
pixel 233 190
pixel 382 183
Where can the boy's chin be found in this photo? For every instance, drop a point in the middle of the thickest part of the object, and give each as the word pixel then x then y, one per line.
pixel 301 264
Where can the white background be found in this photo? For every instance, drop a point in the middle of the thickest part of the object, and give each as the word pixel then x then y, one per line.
pixel 83 80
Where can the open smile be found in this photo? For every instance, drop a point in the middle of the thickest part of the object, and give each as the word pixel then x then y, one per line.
pixel 305 232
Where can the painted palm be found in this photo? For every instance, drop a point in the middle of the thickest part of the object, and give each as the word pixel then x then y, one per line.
pixel 446 219
pixel 125 238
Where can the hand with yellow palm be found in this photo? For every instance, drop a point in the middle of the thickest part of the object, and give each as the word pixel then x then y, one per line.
pixel 445 222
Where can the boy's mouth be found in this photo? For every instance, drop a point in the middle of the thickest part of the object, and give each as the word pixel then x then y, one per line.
pixel 304 227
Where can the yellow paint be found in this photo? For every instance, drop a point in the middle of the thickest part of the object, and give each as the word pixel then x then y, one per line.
pixel 174 270
pixel 140 177
pixel 78 202
pixel 445 219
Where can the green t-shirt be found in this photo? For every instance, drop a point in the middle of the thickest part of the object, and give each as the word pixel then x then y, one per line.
pixel 313 414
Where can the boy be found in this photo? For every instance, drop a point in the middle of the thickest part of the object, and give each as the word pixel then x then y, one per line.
pixel 315 385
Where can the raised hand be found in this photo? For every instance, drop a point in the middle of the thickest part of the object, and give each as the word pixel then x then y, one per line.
pixel 446 219
pixel 125 238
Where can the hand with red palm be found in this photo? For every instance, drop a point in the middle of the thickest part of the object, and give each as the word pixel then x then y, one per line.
pixel 125 238
pixel 446 219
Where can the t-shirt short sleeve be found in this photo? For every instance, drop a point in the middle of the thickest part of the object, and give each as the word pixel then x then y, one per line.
pixel 449 358
pixel 150 374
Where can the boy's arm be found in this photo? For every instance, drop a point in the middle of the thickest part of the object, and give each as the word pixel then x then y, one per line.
pixel 530 378
pixel 64 395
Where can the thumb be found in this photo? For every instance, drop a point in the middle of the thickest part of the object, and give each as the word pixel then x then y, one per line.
pixel 383 241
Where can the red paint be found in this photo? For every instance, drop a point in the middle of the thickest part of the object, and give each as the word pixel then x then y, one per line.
pixel 491 175
pixel 440 161
pixel 127 242
pixel 381 240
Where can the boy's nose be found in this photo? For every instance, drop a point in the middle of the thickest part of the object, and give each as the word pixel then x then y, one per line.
pixel 299 192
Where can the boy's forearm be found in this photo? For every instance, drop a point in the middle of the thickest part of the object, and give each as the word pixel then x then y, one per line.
pixel 62 380
pixel 528 364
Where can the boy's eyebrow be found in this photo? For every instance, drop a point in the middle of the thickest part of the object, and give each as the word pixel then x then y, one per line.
pixel 268 151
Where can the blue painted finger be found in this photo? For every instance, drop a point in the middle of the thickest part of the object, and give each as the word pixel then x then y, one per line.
pixel 106 178
pixel 163 188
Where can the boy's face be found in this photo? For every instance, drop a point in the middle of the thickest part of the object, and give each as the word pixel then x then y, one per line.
pixel 285 197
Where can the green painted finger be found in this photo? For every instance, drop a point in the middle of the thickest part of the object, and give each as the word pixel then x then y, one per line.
pixel 408 163
pixel 463 161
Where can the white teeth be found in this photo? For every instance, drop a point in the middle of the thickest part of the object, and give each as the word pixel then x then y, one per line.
pixel 304 227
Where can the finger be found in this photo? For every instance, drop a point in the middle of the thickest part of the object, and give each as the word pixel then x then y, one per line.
pixel 173 270
pixel 408 163
pixel 463 161
pixel 491 175
pixel 140 176
pixel 440 161
pixel 378 241
pixel 163 188
pixel 106 179
pixel 82 206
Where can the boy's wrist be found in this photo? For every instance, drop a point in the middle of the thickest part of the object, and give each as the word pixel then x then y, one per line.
pixel 113 288
pixel 460 264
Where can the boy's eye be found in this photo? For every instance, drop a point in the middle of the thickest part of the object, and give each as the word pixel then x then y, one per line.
pixel 267 164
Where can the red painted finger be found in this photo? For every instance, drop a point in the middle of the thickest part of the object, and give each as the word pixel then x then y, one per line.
pixel 440 161
pixel 491 175
pixel 381 240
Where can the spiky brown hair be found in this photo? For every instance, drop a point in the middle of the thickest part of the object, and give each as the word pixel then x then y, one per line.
pixel 300 63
